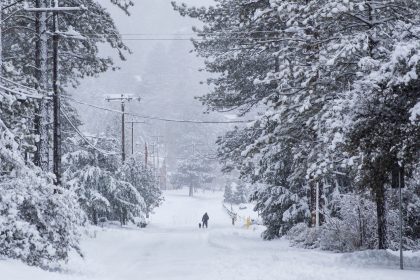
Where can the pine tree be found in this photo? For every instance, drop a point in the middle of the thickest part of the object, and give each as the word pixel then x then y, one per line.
pixel 39 221
pixel 308 66
pixel 228 194
pixel 241 194
pixel 103 190
pixel 193 172
pixel 141 177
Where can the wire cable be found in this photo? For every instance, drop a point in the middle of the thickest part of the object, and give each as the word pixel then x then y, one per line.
pixel 156 118
pixel 84 137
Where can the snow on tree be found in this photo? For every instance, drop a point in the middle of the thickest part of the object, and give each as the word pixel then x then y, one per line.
pixel 39 221
pixel 228 194
pixel 142 178
pixel 236 193
pixel 27 49
pixel 97 179
pixel 193 172
pixel 335 84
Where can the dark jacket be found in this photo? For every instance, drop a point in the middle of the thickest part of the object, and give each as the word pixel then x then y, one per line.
pixel 205 217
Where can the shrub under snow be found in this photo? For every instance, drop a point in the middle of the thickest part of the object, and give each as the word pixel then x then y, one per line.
pixel 38 221
pixel 38 226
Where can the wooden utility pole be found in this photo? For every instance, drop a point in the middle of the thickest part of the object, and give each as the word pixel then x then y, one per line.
pixel 57 103
pixel 132 134
pixel 41 157
pixel 146 154
pixel 317 206
pixel 123 98
pixel 153 159
pixel 157 169
pixel 400 185
pixel 56 98
pixel 398 182
pixel 1 35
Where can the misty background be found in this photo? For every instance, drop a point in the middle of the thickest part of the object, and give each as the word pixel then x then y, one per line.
pixel 164 72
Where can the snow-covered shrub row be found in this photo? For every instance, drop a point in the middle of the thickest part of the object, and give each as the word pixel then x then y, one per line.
pixel 350 228
pixel 38 221
pixel 333 88
pixel 351 225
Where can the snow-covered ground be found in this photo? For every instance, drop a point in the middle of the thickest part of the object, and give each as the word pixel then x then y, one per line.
pixel 173 247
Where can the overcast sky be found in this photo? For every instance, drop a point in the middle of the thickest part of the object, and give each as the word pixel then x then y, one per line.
pixel 144 73
pixel 154 17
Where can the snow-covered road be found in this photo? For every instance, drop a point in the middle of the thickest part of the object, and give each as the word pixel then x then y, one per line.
pixel 173 247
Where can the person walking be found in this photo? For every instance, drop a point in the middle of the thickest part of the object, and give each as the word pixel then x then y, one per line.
pixel 205 220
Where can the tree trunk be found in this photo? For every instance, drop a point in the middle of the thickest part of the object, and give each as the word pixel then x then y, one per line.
pixel 191 190
pixel 42 119
pixel 381 215
pixel 95 217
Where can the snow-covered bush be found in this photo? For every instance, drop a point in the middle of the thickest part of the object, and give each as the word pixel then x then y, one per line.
pixel 38 221
pixel 411 214
pixel 351 226
pixel 303 236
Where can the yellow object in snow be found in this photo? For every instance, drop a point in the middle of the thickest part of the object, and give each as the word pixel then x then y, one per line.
pixel 248 222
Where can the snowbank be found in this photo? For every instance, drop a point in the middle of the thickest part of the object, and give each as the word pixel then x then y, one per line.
pixel 381 258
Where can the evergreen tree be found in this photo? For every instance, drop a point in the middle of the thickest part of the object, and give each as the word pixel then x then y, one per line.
pixel 102 190
pixel 193 172
pixel 228 194
pixel 39 221
pixel 336 85
pixel 141 177
pixel 241 194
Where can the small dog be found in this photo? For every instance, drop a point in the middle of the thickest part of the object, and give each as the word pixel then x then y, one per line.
pixel 199 225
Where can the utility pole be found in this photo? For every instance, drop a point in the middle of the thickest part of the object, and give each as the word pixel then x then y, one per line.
pixel 146 154
pixel 157 169
pixel 317 206
pixel 1 35
pixel 57 103
pixel 123 98
pixel 398 182
pixel 154 159
pixel 193 148
pixel 132 134
pixel 56 98
pixel 41 157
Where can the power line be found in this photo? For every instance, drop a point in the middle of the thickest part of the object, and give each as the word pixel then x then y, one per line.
pixel 179 37
pixel 156 118
pixel 217 33
pixel 21 90
pixel 84 137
